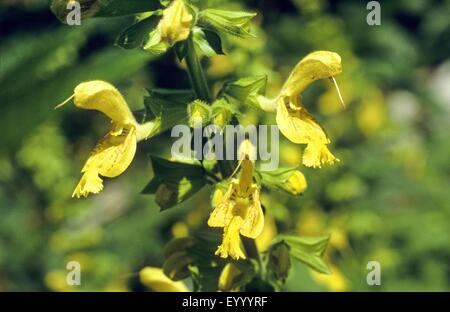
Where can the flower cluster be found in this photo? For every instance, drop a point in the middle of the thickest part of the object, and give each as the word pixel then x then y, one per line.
pixel 193 33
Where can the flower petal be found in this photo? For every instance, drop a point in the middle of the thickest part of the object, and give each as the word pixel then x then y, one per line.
pixel 110 158
pixel 221 214
pixel 317 154
pixel 231 244
pixel 316 65
pixel 254 220
pixel 90 182
pixel 104 97
pixel 297 124
pixel 118 153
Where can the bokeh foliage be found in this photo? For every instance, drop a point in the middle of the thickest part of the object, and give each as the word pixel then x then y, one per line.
pixel 387 200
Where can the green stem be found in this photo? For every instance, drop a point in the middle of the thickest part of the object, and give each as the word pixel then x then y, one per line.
pixel 200 85
pixel 196 74
pixel 198 81
pixel 201 89
pixel 252 252
pixel 250 247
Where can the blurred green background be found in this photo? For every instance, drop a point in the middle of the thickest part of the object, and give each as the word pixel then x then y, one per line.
pixel 388 199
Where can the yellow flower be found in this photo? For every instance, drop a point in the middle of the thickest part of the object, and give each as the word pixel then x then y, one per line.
pixel 293 119
pixel 155 279
pixel 114 152
pixel 173 27
pixel 239 211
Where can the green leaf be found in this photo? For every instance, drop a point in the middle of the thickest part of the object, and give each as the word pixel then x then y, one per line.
pixel 214 41
pixel 173 95
pixel 206 266
pixel 205 277
pixel 174 182
pixel 207 42
pixel 231 22
pixel 246 90
pixel 206 242
pixel 104 8
pixel 201 44
pixel 308 250
pixel 154 43
pixel 110 8
pixel 170 106
pixel 135 35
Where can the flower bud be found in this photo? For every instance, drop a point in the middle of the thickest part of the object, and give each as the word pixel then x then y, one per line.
pixel 288 180
pixel 295 184
pixel 173 27
pixel 176 23
pixel 166 196
pixel 247 150
pixel 199 113
pixel 221 117
pixel 222 112
pixel 176 267
pixel 234 276
pixel 279 261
